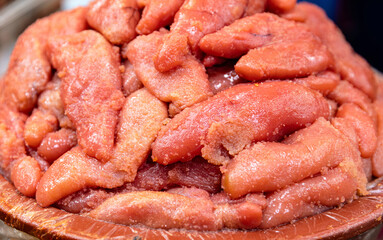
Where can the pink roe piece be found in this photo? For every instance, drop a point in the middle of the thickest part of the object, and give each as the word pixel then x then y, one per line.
pixel 72 172
pixel 303 154
pixel 12 144
pixel 130 81
pixel 91 88
pixel 25 175
pixel 115 19
pixel 158 210
pixel 37 126
pixel 363 125
pixel 274 47
pixel 29 69
pixel 309 197
pixel 140 120
pixel 233 119
pixel 195 19
pixel 349 64
pixel 183 87
pixel 157 14
pixel 56 144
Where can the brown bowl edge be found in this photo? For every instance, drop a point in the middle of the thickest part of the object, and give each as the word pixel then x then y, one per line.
pixel 25 214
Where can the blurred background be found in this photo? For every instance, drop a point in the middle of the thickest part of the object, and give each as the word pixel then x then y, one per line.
pixel 360 20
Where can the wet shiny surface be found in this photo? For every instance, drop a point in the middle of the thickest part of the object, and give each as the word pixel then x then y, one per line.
pixel 49 223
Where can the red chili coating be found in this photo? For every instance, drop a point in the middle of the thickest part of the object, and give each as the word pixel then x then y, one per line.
pixel 115 19
pixel 88 66
pixel 237 117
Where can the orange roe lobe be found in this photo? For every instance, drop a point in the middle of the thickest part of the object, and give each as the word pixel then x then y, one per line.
pixel 195 114
pixel 92 101
pixel 29 69
pixel 25 175
pixel 115 19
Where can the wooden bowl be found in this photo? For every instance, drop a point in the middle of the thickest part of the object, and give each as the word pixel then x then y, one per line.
pixel 25 214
